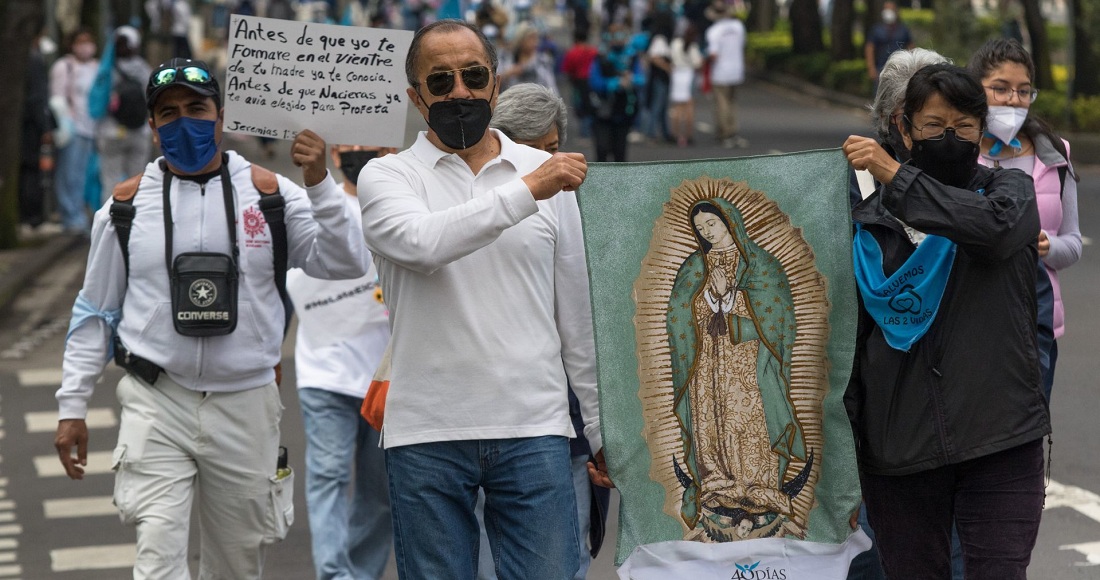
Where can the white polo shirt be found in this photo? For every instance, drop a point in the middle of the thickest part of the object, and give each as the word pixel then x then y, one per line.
pixel 488 297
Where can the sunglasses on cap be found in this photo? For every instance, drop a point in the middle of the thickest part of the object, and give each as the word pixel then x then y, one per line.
pixel 191 74
pixel 443 82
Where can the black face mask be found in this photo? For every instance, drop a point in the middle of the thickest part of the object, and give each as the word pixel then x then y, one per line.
pixel 460 123
pixel 352 162
pixel 897 144
pixel 948 161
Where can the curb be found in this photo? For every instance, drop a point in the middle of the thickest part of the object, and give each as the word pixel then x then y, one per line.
pixel 21 265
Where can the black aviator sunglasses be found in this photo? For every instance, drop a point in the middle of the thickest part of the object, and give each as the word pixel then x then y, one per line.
pixel 441 83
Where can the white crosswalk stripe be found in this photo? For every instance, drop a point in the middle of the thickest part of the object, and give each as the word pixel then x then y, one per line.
pixel 46 421
pixel 93 557
pixel 107 556
pixel 40 377
pixel 1091 550
pixel 79 507
pixel 99 462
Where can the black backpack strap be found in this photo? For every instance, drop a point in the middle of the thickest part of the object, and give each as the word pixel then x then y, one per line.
pixel 122 214
pixel 273 207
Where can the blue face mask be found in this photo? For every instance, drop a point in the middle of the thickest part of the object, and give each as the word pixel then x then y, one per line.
pixel 188 144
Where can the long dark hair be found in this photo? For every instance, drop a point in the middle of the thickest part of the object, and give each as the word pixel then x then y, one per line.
pixel 995 53
pixel 706 207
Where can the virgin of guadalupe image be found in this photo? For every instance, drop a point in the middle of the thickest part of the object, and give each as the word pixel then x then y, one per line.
pixel 743 440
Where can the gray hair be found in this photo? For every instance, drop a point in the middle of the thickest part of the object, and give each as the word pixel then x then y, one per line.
pixel 527 111
pixel 893 79
pixel 445 25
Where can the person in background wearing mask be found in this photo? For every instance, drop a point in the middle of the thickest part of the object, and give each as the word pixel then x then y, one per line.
pixel 614 83
pixel 531 115
pixel 946 396
pixel 123 143
pixel 478 248
pixel 1016 139
pixel 200 402
pixel 888 35
pixel 343 330
pixel 885 111
pixel 71 78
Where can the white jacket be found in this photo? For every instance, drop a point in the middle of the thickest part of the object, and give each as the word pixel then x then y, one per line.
pixel 324 238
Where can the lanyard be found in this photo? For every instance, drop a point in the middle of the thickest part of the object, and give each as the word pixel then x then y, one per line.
pixel 227 195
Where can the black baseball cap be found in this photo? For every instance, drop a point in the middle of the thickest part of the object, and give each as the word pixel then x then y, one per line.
pixel 193 74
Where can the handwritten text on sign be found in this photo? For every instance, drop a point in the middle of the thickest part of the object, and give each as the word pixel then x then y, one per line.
pixel 345 83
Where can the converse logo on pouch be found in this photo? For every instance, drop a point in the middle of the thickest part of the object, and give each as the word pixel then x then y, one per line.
pixel 754 571
pixel 254 225
pixel 203 292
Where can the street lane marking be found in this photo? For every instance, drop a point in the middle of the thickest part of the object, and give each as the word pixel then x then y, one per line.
pixel 12 570
pixel 1082 500
pixel 40 377
pixel 7 517
pixel 11 530
pixel 93 558
pixel 79 507
pixel 46 421
pixel 50 465
pixel 1091 550
pixel 1086 241
pixel 9 543
pixel 7 557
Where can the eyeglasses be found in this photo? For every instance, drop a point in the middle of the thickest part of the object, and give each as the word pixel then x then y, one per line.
pixel 191 74
pixel 1004 94
pixel 935 131
pixel 443 82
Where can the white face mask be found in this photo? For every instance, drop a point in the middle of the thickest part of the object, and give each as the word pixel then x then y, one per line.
pixel 84 50
pixel 889 16
pixel 1004 122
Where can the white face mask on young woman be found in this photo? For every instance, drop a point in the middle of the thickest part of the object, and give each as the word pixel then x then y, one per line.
pixel 1005 122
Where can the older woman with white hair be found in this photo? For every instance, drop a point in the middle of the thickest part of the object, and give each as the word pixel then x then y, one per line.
pixel 531 114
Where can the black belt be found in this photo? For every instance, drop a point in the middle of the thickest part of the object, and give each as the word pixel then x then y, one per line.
pixel 135 365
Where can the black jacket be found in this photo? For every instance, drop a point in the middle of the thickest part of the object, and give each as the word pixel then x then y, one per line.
pixel 971 386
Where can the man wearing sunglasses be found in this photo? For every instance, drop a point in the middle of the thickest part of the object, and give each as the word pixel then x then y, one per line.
pixel 191 309
pixel 478 246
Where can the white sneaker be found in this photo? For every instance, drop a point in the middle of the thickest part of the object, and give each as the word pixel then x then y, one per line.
pixel 735 143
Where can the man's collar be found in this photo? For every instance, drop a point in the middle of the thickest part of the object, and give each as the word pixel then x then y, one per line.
pixel 430 155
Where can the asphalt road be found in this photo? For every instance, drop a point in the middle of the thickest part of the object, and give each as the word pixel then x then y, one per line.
pixel 51 527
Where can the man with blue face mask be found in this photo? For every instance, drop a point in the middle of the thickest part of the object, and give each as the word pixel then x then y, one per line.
pixel 192 310
pixel 477 240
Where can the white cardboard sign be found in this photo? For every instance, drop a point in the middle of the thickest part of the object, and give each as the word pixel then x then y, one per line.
pixel 345 83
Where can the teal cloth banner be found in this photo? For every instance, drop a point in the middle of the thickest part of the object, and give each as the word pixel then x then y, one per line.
pixel 724 307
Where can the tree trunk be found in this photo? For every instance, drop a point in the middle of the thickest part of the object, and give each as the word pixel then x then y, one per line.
pixel 20 23
pixel 1086 47
pixel 1040 48
pixel 761 16
pixel 840 29
pixel 954 31
pixel 805 27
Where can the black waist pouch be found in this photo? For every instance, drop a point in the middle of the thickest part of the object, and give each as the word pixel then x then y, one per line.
pixel 204 294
